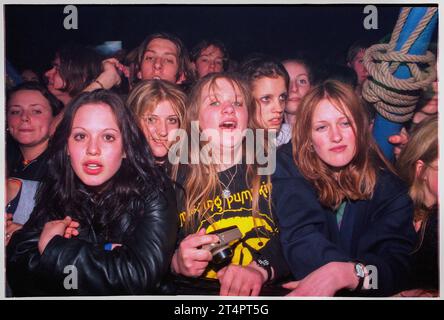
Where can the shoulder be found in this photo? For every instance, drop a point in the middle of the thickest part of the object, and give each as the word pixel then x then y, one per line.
pixel 285 166
pixel 389 183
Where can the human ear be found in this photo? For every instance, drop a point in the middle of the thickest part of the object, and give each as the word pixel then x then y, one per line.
pixel 181 78
pixel 419 168
pixel 139 75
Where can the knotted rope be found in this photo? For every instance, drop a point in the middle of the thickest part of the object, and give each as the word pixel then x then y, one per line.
pixel 395 99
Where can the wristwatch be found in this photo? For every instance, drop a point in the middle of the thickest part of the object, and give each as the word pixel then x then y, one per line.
pixel 360 272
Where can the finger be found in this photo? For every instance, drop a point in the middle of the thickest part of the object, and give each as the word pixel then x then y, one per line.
pixel 395 139
pixel 75 232
pixel 256 290
pixel 221 273
pixel 198 255
pixel 67 235
pixel 198 240
pixel 74 224
pixel 225 283
pixel 291 285
pixel 67 221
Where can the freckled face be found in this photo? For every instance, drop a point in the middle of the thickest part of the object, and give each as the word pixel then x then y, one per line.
pixel 332 135
pixel 95 145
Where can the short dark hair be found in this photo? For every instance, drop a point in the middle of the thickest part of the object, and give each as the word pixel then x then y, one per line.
pixel 182 51
pixel 79 66
pixel 202 45
pixel 258 66
pixel 56 104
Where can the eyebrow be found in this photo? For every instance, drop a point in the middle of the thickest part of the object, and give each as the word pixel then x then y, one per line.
pixel 100 130
pixel 165 53
pixel 32 105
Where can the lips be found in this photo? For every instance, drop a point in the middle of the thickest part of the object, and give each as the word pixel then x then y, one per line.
pixel 338 149
pixel 228 124
pixel 92 167
pixel 276 121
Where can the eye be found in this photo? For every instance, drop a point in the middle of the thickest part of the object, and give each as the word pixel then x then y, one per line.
pixel 14 112
pixel 79 136
pixel 109 137
pixel 215 103
pixel 149 58
pixel 345 124
pixel 265 99
pixel 320 128
pixel 238 103
pixel 303 82
pixel 36 112
pixel 204 60
pixel 173 120
pixel 283 97
pixel 219 62
pixel 170 61
pixel 150 120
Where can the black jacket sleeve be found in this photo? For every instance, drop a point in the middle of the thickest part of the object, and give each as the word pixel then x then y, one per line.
pixel 137 267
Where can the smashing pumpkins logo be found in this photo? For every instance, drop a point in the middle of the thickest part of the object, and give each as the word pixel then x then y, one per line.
pixel 236 211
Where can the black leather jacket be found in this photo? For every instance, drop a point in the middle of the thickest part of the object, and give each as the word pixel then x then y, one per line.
pixel 148 237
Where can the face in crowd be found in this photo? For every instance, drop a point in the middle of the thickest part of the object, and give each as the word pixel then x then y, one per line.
pixel 160 61
pixel 211 59
pixel 95 148
pixel 299 84
pixel 332 134
pixel 357 64
pixel 55 84
pixel 157 124
pixel 223 112
pixel 29 116
pixel 270 95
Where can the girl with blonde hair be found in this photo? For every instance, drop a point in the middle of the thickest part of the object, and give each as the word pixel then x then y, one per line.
pixel 224 195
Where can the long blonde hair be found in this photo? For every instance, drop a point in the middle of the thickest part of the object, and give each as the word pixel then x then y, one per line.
pixel 422 145
pixel 202 183
pixel 355 181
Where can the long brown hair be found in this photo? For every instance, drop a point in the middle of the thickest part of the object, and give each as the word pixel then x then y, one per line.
pixel 356 180
pixel 202 182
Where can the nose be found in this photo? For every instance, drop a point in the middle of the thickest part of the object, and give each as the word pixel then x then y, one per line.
pixel 227 107
pixel 49 73
pixel 278 107
pixel 157 63
pixel 25 116
pixel 93 148
pixel 335 134
pixel 294 88
pixel 161 129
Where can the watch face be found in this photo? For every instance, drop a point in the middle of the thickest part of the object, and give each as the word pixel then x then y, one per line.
pixel 360 270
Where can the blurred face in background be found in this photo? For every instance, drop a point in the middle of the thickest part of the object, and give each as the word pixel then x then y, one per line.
pixel 211 59
pixel 299 84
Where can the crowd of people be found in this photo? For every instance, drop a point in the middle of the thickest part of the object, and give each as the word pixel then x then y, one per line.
pixel 176 173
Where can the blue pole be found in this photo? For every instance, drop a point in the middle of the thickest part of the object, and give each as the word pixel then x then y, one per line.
pixel 384 128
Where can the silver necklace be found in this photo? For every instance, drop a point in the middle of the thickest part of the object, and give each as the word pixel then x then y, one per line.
pixel 226 193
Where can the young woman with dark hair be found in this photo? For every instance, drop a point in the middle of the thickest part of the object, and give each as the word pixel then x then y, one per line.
pixel 104 209
pixel 345 218
pixel 30 112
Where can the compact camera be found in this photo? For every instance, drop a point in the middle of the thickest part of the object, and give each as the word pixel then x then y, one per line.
pixel 221 250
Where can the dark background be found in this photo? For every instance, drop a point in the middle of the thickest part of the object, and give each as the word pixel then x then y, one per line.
pixel 324 32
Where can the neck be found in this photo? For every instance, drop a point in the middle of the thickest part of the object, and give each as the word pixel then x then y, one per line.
pixel 30 153
pixel 289 118
pixel 235 157
pixel 430 200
